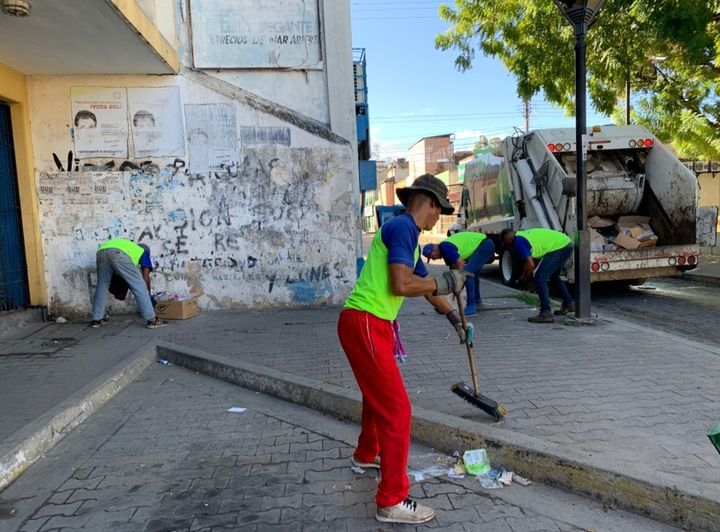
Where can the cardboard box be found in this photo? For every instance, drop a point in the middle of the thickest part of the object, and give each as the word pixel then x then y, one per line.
pixel 176 310
pixel 636 232
pixel 599 222
pixel 628 242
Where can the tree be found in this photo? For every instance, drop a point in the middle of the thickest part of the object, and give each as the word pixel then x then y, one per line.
pixel 666 49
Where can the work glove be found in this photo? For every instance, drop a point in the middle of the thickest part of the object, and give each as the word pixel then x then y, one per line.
pixel 454 318
pixel 450 282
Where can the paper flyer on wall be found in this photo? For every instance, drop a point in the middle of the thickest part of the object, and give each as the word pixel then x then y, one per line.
pixel 99 117
pixel 156 121
pixel 212 136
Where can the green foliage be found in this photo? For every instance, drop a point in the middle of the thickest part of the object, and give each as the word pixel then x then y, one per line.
pixel 667 49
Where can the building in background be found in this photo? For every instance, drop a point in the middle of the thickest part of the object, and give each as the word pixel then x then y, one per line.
pixel 394 176
pixel 430 155
pixel 222 134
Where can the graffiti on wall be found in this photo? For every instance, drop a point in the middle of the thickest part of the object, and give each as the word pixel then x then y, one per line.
pixel 266 230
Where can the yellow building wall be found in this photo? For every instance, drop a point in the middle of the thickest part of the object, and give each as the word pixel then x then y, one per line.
pixel 709 189
pixel 13 91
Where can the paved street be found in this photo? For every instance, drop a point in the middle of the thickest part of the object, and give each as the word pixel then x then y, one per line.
pixel 678 305
pixel 165 455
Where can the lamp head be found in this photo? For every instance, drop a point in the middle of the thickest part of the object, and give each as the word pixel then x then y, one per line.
pixel 579 13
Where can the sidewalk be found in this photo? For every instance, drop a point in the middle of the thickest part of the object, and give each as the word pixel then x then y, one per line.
pixel 707 272
pixel 633 397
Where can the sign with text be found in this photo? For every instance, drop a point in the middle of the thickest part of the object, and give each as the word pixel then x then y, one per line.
pixel 256 34
pixel 99 117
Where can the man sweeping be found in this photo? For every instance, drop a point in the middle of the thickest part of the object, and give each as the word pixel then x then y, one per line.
pixel 468 251
pixel 368 334
pixel 126 259
pixel 552 249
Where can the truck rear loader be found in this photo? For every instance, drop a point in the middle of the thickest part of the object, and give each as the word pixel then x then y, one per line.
pixel 641 200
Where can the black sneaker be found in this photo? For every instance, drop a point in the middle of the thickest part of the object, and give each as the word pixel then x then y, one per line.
pixel 565 309
pixel 96 324
pixel 156 323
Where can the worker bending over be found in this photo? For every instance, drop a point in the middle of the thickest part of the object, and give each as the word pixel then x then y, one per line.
pixel 552 249
pixel 469 251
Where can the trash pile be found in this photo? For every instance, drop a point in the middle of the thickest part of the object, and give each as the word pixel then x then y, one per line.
pixel 457 466
pixel 171 296
pixel 628 232
pixel 476 462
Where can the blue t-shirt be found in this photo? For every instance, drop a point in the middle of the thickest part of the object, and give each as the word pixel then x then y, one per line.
pixel 449 252
pixel 522 247
pixel 401 239
pixel 146 261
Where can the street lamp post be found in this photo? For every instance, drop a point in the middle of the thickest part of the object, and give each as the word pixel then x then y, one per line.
pixel 581 14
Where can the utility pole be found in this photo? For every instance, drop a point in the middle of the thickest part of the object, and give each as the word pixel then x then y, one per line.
pixel 627 100
pixel 527 115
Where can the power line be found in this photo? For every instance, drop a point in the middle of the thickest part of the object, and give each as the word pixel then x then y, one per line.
pixel 399 16
pixel 399 4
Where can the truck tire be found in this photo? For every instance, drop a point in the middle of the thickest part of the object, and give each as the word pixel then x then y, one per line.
pixel 508 267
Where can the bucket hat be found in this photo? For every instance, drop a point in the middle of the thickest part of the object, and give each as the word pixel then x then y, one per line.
pixel 428 183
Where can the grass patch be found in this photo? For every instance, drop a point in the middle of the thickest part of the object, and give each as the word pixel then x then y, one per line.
pixel 529 299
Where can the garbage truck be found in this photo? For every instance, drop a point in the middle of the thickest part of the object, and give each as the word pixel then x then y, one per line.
pixel 641 200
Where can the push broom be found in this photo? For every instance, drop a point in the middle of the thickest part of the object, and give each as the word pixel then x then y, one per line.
pixel 473 395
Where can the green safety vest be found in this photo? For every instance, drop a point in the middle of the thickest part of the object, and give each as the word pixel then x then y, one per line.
pixel 544 241
pixel 466 242
pixel 130 248
pixel 372 290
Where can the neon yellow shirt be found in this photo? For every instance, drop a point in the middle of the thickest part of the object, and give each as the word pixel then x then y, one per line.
pixel 544 241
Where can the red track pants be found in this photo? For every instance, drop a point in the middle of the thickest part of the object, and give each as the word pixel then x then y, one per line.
pixel 368 343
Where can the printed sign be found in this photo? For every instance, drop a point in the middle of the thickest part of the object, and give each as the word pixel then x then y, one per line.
pixel 99 117
pixel 256 34
pixel 156 122
pixel 212 136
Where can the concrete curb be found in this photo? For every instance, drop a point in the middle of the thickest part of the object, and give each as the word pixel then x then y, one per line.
pixel 660 496
pixel 21 449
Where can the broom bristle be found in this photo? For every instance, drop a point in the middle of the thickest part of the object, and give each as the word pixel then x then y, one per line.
pixel 484 403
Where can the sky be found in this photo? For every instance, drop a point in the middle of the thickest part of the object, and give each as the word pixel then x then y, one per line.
pixel 414 90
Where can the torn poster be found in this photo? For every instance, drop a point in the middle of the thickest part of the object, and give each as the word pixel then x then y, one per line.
pixel 156 122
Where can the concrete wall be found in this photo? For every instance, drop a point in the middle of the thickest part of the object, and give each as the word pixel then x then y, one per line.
pixel 277 225
pixel 709 194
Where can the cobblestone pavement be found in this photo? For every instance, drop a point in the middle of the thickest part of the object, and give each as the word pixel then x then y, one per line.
pixel 165 455
pixel 628 394
pixel 611 389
